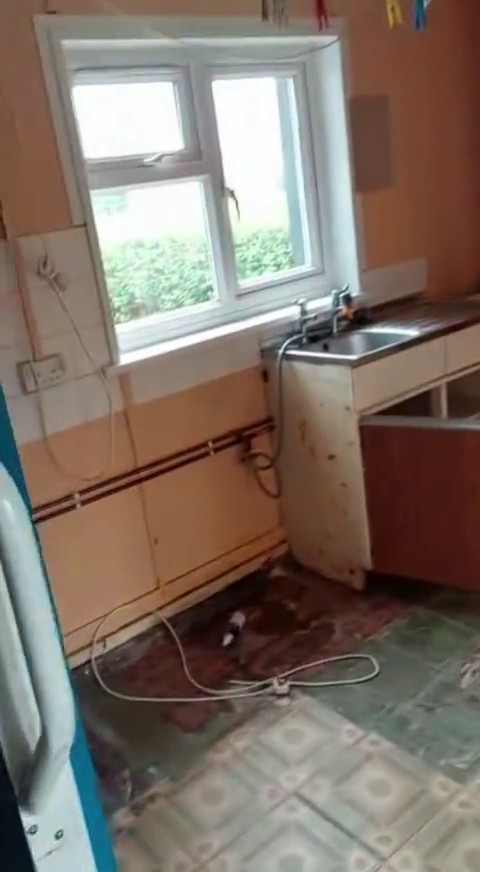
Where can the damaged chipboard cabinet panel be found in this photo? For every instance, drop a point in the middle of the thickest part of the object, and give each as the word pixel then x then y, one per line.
pixel 323 494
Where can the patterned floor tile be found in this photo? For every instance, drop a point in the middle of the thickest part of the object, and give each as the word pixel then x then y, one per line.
pixel 294 838
pixel 149 843
pixel 401 677
pixel 132 856
pixel 378 794
pixel 363 707
pixel 413 731
pixel 449 843
pixel 206 811
pixel 430 638
pixel 458 605
pixel 441 726
pixel 290 748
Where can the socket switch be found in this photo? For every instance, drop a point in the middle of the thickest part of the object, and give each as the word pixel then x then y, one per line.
pixel 38 375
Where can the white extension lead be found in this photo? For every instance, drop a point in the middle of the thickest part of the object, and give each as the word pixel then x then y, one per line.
pixel 47 271
pixel 278 685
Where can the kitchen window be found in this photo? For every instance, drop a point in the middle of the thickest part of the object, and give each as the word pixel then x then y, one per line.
pixel 203 176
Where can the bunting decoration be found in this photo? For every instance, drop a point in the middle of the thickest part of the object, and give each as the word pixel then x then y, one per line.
pixel 322 14
pixel 394 13
pixel 420 14
pixel 277 11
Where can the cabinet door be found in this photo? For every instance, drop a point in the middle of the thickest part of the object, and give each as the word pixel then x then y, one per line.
pixel 422 481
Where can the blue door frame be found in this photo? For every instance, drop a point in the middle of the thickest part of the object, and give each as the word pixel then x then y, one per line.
pixel 80 757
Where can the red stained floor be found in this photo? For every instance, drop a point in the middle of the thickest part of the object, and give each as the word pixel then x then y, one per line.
pixel 292 617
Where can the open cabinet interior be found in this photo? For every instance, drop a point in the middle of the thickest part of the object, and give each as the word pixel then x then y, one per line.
pixel 428 404
pixel 463 396
pixel 458 399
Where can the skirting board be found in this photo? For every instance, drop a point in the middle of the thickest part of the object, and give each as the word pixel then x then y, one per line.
pixel 135 628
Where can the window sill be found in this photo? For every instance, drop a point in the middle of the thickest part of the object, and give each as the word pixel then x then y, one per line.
pixel 178 364
pixel 258 328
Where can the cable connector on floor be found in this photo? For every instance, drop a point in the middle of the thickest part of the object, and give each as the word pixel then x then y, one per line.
pixel 233 630
pixel 281 687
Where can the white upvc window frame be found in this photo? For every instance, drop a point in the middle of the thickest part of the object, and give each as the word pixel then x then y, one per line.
pixel 297 57
pixel 149 73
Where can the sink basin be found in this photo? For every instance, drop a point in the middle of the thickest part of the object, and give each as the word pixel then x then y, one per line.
pixel 359 343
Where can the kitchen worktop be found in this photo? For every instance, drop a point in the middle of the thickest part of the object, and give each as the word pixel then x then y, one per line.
pixel 430 317
pixel 426 320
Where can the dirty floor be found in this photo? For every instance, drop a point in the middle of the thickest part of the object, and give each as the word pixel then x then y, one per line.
pixel 380 776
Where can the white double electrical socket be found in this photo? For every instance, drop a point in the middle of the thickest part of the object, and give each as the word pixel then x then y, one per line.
pixel 37 375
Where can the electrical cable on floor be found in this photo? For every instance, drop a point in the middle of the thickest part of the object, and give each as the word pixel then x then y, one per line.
pixel 261 461
pixel 277 685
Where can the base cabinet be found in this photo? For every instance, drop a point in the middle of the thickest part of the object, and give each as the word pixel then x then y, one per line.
pixel 423 498
pixel 381 464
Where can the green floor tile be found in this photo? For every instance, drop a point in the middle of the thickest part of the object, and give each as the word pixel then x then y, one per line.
pixel 458 605
pixel 441 726
pixel 430 638
pixel 413 732
pixel 402 677
pixel 361 706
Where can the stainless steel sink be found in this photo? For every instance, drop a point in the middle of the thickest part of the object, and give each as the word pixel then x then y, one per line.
pixel 349 347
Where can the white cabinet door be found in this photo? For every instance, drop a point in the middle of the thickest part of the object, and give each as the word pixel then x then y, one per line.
pixel 463 349
pixel 398 374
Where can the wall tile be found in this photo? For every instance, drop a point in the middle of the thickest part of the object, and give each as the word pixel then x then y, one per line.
pixel 75 402
pixel 14 343
pixel 78 364
pixel 194 365
pixel 81 297
pixel 25 419
pixel 68 248
pixel 12 325
pixel 68 405
pixel 7 283
pixel 9 380
pixel 389 283
pixel 71 255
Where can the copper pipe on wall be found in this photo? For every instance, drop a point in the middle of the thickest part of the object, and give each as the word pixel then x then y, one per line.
pixel 149 471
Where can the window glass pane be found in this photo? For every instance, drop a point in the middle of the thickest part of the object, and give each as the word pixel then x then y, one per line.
pixel 155 248
pixel 127 118
pixel 258 133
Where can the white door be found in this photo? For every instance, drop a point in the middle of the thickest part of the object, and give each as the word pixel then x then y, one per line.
pixel 37 715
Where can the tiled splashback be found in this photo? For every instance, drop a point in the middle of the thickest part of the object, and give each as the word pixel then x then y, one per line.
pixel 14 344
pixel 70 252
pixel 81 397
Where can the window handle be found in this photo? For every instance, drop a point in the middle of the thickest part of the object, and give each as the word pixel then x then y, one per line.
pixel 154 158
pixel 231 195
pixel 159 157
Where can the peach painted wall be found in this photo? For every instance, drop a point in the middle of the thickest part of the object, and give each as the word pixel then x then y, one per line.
pixel 156 542
pixel 172 536
pixel 431 78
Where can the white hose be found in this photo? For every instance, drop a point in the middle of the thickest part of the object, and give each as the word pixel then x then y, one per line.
pixel 261 461
pixel 278 685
